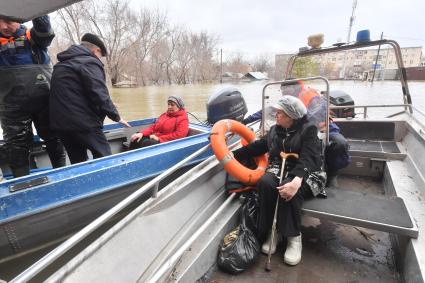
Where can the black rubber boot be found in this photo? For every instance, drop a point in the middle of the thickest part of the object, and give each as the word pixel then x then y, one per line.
pixel 19 161
pixel 20 171
pixel 56 153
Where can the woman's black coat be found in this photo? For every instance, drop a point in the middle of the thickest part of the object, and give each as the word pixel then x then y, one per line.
pixel 301 138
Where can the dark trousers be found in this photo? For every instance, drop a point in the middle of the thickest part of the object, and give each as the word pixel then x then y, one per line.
pixel 337 154
pixel 18 137
pixel 77 144
pixel 289 212
pixel 145 141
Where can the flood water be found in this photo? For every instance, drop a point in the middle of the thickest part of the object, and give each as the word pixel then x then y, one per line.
pixel 151 101
pixel 147 102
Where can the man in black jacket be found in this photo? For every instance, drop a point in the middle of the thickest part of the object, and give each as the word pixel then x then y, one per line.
pixel 79 100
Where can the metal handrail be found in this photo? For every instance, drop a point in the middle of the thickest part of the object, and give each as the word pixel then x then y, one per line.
pixel 407 99
pixel 418 111
pixel 171 261
pixel 45 261
pixel 420 122
pixel 365 107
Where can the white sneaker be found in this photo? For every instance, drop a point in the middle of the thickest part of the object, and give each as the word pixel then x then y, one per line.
pixel 293 250
pixel 265 247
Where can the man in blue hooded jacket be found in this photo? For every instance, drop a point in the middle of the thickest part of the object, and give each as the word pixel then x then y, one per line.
pixel 25 73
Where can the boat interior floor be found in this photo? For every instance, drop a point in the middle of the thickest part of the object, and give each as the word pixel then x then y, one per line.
pixel 332 252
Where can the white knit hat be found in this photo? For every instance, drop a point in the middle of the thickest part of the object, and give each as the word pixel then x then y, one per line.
pixel 292 106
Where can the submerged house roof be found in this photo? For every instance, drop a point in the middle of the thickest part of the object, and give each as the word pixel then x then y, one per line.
pixel 255 76
pixel 25 10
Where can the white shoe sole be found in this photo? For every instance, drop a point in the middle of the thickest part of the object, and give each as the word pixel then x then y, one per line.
pixel 289 262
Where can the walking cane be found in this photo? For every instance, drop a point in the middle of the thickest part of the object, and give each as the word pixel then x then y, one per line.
pixel 269 255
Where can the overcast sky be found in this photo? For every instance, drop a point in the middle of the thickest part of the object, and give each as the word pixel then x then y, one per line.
pixel 255 27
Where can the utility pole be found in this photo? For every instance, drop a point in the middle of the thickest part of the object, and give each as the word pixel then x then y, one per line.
pixel 376 59
pixel 221 66
pixel 342 74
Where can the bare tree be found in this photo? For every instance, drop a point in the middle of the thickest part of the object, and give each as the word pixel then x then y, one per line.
pixel 236 63
pixel 172 39
pixel 183 58
pixel 111 23
pixel 151 28
pixel 141 46
pixel 202 64
pixel 262 63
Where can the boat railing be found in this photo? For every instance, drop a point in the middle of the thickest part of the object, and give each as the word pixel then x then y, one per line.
pixel 420 121
pixel 407 99
pixel 164 268
pixel 53 255
pixel 366 107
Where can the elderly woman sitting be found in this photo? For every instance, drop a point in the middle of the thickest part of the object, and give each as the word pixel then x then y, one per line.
pixel 291 134
pixel 171 125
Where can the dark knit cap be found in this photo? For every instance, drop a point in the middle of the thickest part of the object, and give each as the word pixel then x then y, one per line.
pixel 177 100
pixel 95 40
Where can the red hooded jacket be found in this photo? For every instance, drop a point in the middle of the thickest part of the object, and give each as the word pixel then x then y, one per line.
pixel 169 126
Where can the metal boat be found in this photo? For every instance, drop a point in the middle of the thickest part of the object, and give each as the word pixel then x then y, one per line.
pixel 370 228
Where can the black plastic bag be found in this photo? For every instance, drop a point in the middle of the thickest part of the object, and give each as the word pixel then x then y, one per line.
pixel 240 248
pixel 249 210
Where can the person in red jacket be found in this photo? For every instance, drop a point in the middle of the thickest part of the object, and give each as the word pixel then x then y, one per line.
pixel 171 125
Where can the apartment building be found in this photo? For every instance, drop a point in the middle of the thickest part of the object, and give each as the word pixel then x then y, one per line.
pixel 356 61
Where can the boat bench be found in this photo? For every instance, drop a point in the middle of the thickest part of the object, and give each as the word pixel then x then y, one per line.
pixel 373 139
pixel 378 212
pixel 376 149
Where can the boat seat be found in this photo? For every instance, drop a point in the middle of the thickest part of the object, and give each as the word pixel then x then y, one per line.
pixel 376 212
pixel 376 149
pixel 115 135
pixel 368 130
pixel 193 132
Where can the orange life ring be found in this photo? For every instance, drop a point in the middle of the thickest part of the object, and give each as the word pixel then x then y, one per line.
pixel 231 165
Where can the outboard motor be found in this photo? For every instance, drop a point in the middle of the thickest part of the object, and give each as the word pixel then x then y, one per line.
pixel 226 103
pixel 341 98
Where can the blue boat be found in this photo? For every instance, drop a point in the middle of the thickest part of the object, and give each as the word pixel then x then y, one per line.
pixel 47 206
